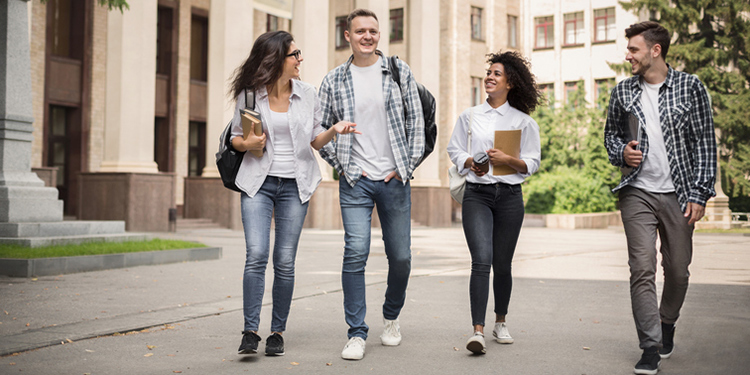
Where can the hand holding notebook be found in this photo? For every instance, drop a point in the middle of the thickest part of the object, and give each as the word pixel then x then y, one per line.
pixel 251 122
pixel 509 142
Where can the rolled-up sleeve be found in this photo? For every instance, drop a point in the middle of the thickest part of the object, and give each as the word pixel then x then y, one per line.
pixel 531 150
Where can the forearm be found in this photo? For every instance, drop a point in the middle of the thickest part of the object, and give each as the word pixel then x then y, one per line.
pixel 323 138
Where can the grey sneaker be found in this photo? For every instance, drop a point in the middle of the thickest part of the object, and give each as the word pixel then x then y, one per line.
pixel 501 333
pixel 391 333
pixel 476 344
pixel 249 344
pixel 354 349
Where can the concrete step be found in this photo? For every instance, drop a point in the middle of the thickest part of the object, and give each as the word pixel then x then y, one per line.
pixel 60 228
pixel 193 224
pixel 72 240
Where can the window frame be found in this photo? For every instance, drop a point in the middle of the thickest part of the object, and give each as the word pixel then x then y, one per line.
pixel 340 41
pixel 578 28
pixel 548 90
pixel 548 23
pixel 512 31
pixel 609 25
pixel 396 25
pixel 477 28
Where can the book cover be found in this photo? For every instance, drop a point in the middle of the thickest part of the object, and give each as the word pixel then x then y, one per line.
pixel 509 142
pixel 250 118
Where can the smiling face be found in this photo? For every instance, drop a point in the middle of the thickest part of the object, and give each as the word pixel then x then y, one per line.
pixel 291 63
pixel 640 56
pixel 363 35
pixel 496 82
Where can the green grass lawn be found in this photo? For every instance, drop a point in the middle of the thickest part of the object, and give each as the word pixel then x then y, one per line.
pixel 736 230
pixel 93 248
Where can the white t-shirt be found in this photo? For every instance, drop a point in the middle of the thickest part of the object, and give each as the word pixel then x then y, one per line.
pixel 371 150
pixel 282 164
pixel 654 175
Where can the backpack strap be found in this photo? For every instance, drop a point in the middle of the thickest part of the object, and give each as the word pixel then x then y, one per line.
pixel 248 99
pixel 394 70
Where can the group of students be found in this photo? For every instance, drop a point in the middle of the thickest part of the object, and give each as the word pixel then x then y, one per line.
pixel 371 130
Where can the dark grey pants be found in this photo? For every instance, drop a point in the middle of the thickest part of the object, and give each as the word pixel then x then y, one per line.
pixel 644 215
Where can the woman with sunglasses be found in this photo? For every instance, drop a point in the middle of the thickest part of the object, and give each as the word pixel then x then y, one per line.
pixel 279 184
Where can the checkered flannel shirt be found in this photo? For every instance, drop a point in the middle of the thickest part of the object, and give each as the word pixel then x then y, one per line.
pixel 404 116
pixel 687 124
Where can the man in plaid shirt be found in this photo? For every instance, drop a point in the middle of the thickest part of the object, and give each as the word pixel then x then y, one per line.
pixel 374 168
pixel 660 131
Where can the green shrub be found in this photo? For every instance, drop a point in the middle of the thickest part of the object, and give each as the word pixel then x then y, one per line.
pixel 567 190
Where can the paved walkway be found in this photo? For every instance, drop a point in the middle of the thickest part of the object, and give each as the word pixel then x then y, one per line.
pixel 570 312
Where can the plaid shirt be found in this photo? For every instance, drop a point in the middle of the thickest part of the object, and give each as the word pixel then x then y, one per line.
pixel 404 116
pixel 688 127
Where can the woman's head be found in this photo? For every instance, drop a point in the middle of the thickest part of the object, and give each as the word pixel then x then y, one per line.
pixel 509 71
pixel 271 57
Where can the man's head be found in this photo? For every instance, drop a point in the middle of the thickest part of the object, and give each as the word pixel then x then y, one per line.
pixel 648 44
pixel 363 33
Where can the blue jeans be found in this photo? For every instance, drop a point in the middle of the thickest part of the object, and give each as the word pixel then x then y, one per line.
pixel 277 198
pixel 492 219
pixel 393 200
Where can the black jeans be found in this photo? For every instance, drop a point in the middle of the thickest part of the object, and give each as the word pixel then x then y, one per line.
pixel 492 219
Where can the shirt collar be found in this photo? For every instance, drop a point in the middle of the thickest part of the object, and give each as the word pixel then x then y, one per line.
pixel 262 93
pixel 502 110
pixel 668 82
pixel 383 63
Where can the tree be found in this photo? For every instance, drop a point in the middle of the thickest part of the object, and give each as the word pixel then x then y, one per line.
pixel 711 40
pixel 575 175
pixel 122 5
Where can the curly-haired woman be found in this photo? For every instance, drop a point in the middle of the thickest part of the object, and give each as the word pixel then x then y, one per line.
pixel 279 184
pixel 493 205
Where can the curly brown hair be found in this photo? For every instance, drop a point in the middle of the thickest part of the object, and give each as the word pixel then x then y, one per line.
pixel 524 94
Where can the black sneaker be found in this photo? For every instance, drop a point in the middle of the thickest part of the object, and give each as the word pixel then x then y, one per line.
pixel 667 334
pixel 249 343
pixel 649 363
pixel 275 345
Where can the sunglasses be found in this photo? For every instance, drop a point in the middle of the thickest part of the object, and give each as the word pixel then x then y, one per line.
pixel 297 54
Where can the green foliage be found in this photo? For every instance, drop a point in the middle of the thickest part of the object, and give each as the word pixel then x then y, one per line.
pixel 575 175
pixel 93 248
pixel 711 40
pixel 567 190
pixel 121 5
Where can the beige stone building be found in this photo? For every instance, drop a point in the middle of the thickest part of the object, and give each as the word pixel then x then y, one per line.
pixel 128 105
pixel 572 41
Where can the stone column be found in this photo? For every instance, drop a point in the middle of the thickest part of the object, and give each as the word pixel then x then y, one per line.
pixel 23 197
pixel 313 40
pixel 131 89
pixel 230 39
pixel 718 214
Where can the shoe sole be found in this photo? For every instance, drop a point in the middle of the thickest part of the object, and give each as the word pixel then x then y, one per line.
pixel 666 355
pixel 385 343
pixel 476 347
pixel 503 340
pixel 352 358
pixel 248 351
pixel 275 354
pixel 647 372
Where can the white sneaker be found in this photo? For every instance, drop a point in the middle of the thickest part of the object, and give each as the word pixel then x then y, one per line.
pixel 476 344
pixel 391 333
pixel 354 349
pixel 501 333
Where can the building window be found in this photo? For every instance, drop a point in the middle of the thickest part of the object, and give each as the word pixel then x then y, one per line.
pixel 196 148
pixel 272 22
pixel 476 23
pixel 573 28
pixel 604 24
pixel 341 26
pixel 476 91
pixel 570 94
pixel 512 31
pixel 548 90
pixel 397 25
pixel 545 34
pixel 602 88
pixel 199 48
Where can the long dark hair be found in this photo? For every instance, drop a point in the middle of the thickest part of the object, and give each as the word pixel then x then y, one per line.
pixel 265 64
pixel 524 94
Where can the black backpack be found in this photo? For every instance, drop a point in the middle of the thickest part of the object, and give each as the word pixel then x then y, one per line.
pixel 428 109
pixel 228 160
